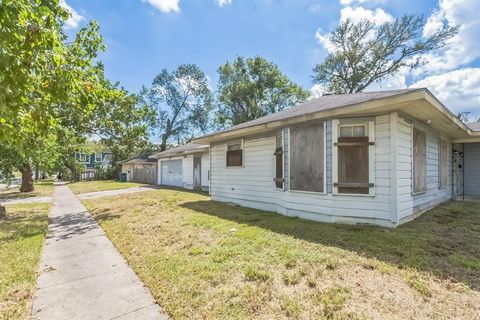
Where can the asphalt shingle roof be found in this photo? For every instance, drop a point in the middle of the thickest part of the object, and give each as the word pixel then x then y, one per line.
pixel 325 102
pixel 186 148
pixel 474 126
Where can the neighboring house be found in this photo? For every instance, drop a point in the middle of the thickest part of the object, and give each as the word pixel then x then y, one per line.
pixel 186 166
pixel 140 169
pixel 375 157
pixel 93 160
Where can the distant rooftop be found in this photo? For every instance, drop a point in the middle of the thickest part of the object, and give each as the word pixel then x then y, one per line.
pixel 474 126
pixel 181 150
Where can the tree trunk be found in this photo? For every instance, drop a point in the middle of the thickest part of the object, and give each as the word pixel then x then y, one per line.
pixel 163 145
pixel 3 212
pixel 27 179
pixel 37 174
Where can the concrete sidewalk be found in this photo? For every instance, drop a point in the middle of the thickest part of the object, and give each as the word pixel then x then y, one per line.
pixel 82 275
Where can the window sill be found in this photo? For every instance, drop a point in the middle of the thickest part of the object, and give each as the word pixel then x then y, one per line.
pixel 418 193
pixel 307 192
pixel 355 195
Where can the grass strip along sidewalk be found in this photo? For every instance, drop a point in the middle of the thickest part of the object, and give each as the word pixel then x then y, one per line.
pixel 22 235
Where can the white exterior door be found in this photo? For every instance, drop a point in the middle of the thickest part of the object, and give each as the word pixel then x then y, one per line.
pixel 172 173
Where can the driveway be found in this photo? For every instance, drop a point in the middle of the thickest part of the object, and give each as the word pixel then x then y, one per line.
pixel 82 275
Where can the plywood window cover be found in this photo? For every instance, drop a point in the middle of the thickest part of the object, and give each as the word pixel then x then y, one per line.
pixel 234 154
pixel 416 154
pixel 369 130
pixel 292 187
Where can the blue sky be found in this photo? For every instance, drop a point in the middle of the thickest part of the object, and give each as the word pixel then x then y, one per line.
pixel 143 36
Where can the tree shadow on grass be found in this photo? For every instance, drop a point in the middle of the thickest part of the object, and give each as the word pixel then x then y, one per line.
pixel 22 226
pixel 437 242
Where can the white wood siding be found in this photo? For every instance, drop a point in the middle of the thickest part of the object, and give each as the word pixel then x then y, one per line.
pixel 252 185
pixel 407 203
pixel 205 170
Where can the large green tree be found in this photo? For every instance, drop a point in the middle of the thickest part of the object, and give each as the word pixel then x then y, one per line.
pixel 42 74
pixel 121 121
pixel 249 88
pixel 364 53
pixel 182 100
pixel 54 95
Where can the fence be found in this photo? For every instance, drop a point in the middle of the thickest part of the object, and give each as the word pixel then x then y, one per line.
pixel 145 175
pixel 98 174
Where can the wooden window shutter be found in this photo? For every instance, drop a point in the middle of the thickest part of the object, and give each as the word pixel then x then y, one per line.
pixel 279 180
pixel 353 165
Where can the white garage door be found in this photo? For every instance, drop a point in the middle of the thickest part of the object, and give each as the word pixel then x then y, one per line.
pixel 172 173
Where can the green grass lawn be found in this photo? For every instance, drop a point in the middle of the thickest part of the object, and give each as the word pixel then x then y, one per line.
pixel 203 259
pixel 41 189
pixel 93 186
pixel 22 235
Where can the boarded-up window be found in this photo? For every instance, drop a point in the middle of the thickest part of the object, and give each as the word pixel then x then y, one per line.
pixel 307 157
pixel 419 161
pixel 442 163
pixel 234 154
pixel 279 162
pixel 353 160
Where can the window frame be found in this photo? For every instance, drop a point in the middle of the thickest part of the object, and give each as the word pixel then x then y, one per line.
pixel 282 133
pixel 369 124
pixel 243 154
pixel 82 157
pixel 414 193
pixel 324 163
pixel 96 158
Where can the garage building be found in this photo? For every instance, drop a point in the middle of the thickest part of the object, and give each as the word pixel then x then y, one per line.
pixel 185 166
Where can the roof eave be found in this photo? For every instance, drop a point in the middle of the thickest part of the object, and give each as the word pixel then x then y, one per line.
pixel 178 154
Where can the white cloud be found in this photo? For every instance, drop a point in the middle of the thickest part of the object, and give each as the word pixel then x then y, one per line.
pixel 461 49
pixel 324 40
pixel 377 16
pixel 75 18
pixel 351 2
pixel 314 8
pixel 459 90
pixel 316 91
pixel 165 6
pixel 222 3
pixel 397 81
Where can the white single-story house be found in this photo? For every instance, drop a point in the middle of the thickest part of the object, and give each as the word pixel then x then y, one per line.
pixel 185 166
pixel 365 158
